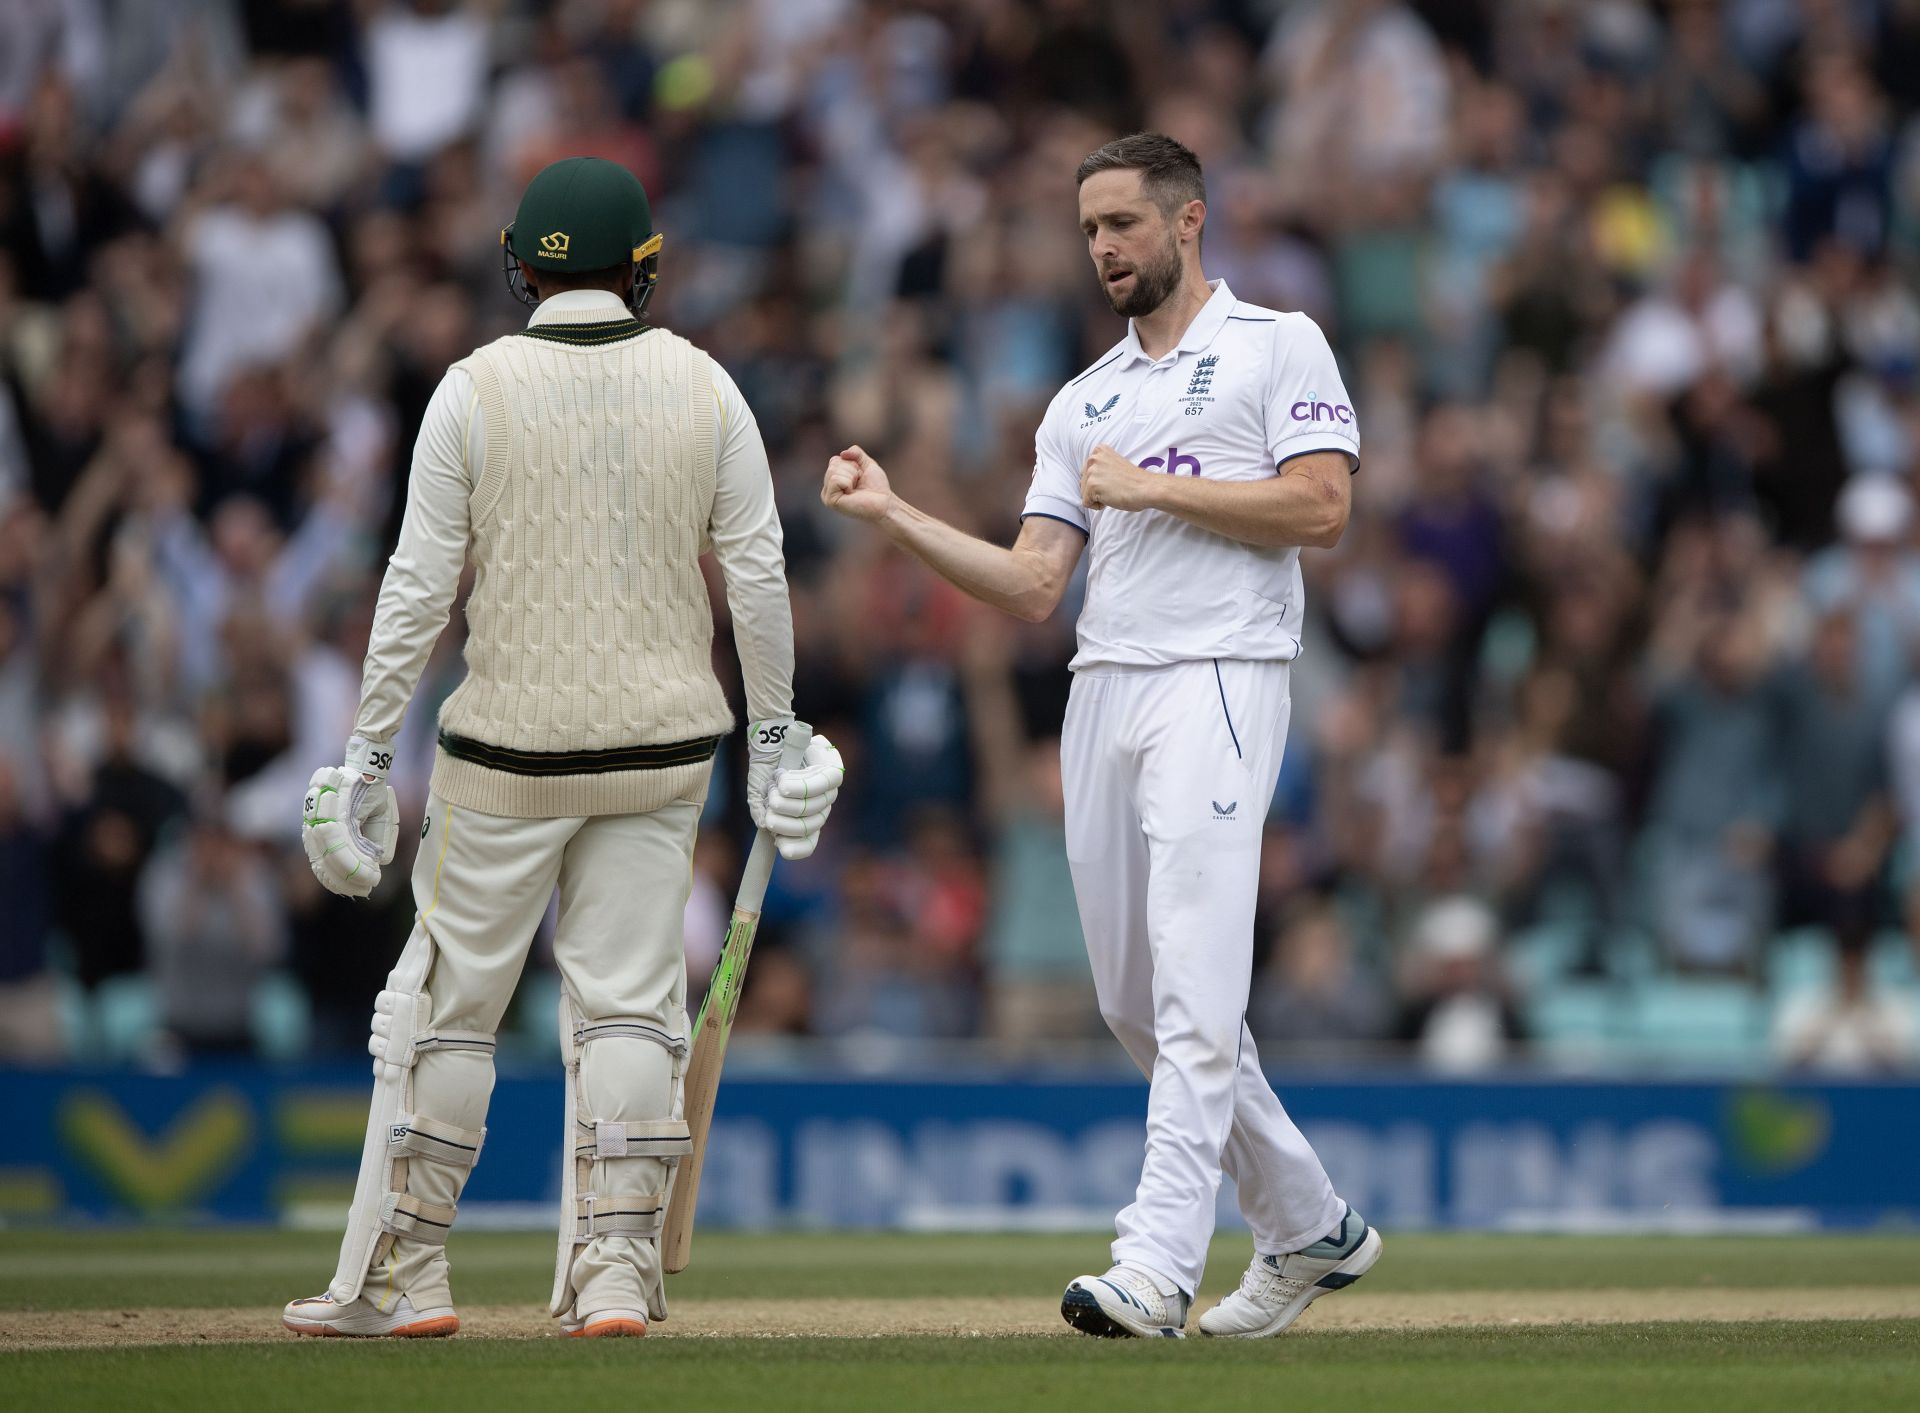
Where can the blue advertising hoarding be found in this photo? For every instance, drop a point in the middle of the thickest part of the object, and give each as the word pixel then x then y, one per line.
pixel 818 1149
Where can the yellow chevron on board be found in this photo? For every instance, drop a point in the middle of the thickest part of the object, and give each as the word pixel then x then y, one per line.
pixel 186 1161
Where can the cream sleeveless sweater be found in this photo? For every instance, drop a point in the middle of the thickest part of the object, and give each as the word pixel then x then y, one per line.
pixel 589 631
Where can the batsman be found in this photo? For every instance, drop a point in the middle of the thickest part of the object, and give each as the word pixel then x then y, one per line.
pixel 581 465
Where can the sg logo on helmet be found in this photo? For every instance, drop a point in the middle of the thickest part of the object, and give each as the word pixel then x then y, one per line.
pixel 554 245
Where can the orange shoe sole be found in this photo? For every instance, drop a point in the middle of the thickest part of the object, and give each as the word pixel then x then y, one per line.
pixel 611 1329
pixel 437 1328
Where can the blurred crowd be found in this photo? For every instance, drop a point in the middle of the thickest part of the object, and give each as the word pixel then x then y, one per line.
pixel 1610 686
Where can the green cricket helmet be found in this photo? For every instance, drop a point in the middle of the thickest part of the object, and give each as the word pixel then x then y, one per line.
pixel 582 214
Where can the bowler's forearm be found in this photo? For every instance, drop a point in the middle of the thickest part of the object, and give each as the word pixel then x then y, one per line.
pixel 1298 508
pixel 1009 579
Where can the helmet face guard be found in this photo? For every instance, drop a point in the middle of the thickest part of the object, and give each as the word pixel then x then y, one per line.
pixel 646 273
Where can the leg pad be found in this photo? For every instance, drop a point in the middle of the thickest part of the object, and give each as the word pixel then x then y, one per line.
pixel 383 1210
pixel 618 1170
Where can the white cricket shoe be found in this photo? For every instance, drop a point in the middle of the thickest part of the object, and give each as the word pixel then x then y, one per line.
pixel 358 1319
pixel 1126 1301
pixel 607 1324
pixel 1276 1289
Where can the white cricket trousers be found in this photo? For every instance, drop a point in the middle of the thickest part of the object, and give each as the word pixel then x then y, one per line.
pixel 1168 772
pixel 482 883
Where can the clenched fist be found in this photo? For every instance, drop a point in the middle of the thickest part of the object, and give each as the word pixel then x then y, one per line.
pixel 1109 479
pixel 856 486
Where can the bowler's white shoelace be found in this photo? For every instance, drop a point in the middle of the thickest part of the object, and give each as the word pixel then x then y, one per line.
pixel 1264 1286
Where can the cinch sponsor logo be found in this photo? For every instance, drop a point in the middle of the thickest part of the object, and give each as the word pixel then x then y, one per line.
pixel 1310 409
pixel 1173 463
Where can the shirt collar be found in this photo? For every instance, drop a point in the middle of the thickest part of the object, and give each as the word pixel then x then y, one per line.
pixel 1209 321
pixel 580 306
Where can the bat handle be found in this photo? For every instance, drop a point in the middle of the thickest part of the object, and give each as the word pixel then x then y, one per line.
pixel 793 751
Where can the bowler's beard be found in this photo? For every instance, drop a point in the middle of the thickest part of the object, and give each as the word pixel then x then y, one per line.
pixel 1153 285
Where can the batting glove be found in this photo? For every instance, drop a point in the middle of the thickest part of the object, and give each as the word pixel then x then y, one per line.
pixel 349 824
pixel 802 798
pixel 764 740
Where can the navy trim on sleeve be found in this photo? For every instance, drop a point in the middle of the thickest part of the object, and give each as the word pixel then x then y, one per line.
pixel 1346 451
pixel 1249 319
pixel 1042 515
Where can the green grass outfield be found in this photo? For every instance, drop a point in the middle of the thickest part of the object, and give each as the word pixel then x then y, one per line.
pixel 1751 1364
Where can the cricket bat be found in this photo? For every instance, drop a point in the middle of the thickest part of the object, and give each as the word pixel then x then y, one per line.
pixel 715 1023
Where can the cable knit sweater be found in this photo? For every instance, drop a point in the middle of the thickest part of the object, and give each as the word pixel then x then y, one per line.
pixel 590 465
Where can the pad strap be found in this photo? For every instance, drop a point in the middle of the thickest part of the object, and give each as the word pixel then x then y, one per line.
pixel 630 1028
pixel 453 1040
pixel 416 1135
pixel 630 1214
pixel 636 1138
pixel 402 1033
pixel 408 1216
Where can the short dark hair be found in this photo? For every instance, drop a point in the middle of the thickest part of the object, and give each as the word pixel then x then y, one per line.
pixel 1169 172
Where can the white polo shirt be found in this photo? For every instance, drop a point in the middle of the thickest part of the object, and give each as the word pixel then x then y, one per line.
pixel 1247 389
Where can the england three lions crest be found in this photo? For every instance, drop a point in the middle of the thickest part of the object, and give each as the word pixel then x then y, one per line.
pixel 1200 386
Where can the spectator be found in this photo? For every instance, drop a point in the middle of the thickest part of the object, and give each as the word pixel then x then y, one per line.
pixel 1855 1029
pixel 914 718
pixel 1711 102
pixel 215 925
pixel 1315 999
pixel 426 74
pixel 1837 824
pixel 1364 92
pixel 301 122
pixel 1452 523
pixel 241 566
pixel 1874 574
pixel 264 277
pixel 878 983
pixel 1716 803
pixel 104 846
pixel 1039 987
pixel 1840 163
pixel 19 674
pixel 338 979
pixel 29 1016
pixel 1560 816
pixel 1458 1012
pixel 65 207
